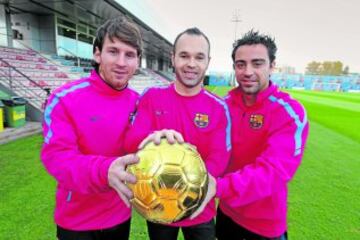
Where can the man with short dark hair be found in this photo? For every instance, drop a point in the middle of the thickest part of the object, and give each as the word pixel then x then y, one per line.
pixel 185 111
pixel 84 127
pixel 269 132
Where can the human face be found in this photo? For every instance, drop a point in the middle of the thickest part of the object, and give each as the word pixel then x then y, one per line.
pixel 252 68
pixel 117 61
pixel 190 60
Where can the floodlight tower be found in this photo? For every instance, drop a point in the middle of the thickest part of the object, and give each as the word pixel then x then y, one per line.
pixel 235 19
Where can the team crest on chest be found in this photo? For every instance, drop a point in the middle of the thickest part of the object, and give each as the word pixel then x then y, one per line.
pixel 256 121
pixel 201 120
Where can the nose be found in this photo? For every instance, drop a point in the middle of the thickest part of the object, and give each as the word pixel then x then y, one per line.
pixel 121 60
pixel 248 70
pixel 191 62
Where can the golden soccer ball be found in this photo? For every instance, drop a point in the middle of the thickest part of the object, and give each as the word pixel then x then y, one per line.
pixel 171 182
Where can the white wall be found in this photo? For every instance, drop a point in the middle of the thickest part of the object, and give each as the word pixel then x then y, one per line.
pixel 143 61
pixel 3 30
pixel 28 26
pixel 38 32
pixel 47 34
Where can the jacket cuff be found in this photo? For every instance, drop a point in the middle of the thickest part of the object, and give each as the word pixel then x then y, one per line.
pixel 104 169
pixel 222 185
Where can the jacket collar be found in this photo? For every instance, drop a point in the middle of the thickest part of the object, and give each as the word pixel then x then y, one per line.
pixel 101 86
pixel 173 89
pixel 236 96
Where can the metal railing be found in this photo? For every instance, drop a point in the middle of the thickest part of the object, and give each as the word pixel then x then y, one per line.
pixel 35 93
pixel 72 54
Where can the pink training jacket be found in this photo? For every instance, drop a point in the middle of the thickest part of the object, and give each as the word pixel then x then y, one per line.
pixel 84 127
pixel 203 120
pixel 268 141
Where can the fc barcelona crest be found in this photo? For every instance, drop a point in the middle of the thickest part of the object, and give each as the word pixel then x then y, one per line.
pixel 256 121
pixel 201 120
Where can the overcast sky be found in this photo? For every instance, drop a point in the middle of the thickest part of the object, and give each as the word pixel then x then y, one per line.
pixel 304 30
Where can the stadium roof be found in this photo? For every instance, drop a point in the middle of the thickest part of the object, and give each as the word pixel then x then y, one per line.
pixel 92 13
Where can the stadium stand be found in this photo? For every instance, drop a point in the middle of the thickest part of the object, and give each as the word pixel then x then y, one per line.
pixel 33 76
pixel 29 74
pixel 220 78
pixel 348 83
pixel 46 44
pixel 82 64
pixel 170 76
pixel 146 78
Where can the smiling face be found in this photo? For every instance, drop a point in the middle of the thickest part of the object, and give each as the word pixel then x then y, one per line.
pixel 190 60
pixel 117 61
pixel 252 68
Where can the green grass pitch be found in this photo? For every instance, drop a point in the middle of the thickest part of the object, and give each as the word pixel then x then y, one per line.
pixel 324 197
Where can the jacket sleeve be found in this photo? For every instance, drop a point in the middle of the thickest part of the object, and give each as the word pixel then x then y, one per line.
pixel 274 167
pixel 220 146
pixel 62 158
pixel 141 126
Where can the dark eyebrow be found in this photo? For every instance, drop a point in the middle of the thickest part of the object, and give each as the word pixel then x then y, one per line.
pixel 239 61
pixel 258 60
pixel 111 48
pixel 130 52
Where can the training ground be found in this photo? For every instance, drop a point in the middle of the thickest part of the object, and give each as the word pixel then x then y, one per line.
pixel 324 196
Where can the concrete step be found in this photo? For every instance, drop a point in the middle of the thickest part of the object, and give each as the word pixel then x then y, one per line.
pixel 11 134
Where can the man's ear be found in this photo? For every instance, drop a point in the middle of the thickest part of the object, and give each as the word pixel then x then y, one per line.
pixel 96 55
pixel 272 66
pixel 172 58
pixel 139 61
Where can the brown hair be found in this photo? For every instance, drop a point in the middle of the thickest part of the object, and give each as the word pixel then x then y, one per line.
pixel 122 29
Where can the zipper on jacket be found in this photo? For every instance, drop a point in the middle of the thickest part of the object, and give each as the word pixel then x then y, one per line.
pixel 242 126
pixel 68 198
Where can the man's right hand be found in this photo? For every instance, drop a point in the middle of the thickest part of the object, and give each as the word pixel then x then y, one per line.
pixel 117 176
pixel 209 196
pixel 171 136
